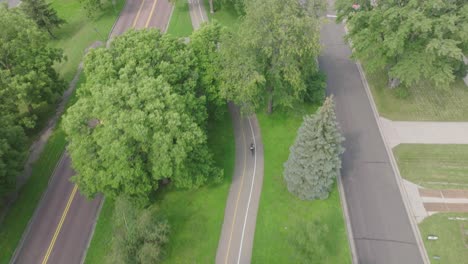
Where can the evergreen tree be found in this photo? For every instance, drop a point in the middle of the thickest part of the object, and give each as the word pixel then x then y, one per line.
pixel 42 13
pixel 314 161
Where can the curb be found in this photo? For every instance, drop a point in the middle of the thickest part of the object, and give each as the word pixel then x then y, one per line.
pixel 38 207
pixel 349 230
pixel 396 171
pixel 116 20
pixel 91 234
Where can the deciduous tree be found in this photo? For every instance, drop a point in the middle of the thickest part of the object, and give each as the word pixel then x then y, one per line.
pixel 413 40
pixel 26 64
pixel 139 119
pixel 315 158
pixel 139 234
pixel 274 53
pixel 42 13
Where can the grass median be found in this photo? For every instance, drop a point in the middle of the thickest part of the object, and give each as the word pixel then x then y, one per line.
pixel 180 24
pixel 434 166
pixel 281 216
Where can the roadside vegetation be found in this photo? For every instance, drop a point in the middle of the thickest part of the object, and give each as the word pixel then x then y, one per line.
pixel 434 166
pixel 289 229
pixel 180 24
pixel 72 37
pixel 452 230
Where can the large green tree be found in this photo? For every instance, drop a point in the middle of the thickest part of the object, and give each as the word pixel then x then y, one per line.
pixel 139 234
pixel 315 158
pixel 12 152
pixel 412 40
pixel 139 118
pixel 42 13
pixel 26 64
pixel 204 43
pixel 273 56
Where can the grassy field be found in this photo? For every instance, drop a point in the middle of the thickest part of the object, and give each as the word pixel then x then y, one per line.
pixel 281 216
pixel 226 15
pixel 452 245
pixel 433 165
pixel 79 32
pixel 180 24
pixel 195 216
pixel 423 102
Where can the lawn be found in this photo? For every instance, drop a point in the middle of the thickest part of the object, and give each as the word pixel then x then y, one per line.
pixel 281 216
pixel 226 15
pixel 452 245
pixel 79 32
pixel 423 102
pixel 434 166
pixel 180 24
pixel 195 216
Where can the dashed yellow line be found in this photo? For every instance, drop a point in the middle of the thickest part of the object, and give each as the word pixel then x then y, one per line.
pixel 238 194
pixel 59 227
pixel 151 14
pixel 138 14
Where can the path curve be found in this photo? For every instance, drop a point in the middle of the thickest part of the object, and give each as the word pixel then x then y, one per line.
pixel 240 216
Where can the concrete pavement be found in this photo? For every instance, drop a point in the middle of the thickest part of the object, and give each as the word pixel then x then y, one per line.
pixel 382 230
pixel 399 132
pixel 60 229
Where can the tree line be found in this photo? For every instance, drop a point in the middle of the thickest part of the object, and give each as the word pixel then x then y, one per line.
pixel 28 80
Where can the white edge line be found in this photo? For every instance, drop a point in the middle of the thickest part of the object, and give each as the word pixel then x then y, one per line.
pixel 91 235
pixel 169 21
pixel 250 194
pixel 201 13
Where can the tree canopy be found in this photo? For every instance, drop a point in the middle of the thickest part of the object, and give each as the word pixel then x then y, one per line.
pixel 315 158
pixel 26 64
pixel 273 55
pixel 139 234
pixel 139 118
pixel 412 39
pixel 42 13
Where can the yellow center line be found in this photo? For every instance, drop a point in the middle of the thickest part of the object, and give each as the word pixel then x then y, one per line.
pixel 59 227
pixel 238 195
pixel 138 14
pixel 151 14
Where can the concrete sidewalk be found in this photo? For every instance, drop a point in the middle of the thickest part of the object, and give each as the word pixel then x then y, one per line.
pixel 399 132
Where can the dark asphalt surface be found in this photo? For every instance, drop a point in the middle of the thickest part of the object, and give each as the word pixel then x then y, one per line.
pixel 76 227
pixel 70 242
pixel 381 227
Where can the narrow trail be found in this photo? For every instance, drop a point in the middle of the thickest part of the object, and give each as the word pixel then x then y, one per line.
pixel 240 216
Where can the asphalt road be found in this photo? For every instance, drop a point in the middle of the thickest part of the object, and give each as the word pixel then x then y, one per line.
pixel 62 224
pixel 381 226
pixel 240 216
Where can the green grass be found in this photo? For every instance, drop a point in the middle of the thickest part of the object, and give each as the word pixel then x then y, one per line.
pixel 423 102
pixel 226 15
pixel 79 32
pixel 195 216
pixel 180 24
pixel 281 216
pixel 433 165
pixel 102 237
pixel 450 246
